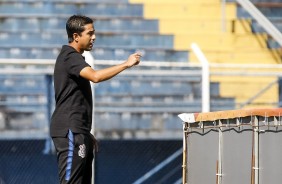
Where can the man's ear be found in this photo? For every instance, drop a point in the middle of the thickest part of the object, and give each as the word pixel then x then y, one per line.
pixel 75 37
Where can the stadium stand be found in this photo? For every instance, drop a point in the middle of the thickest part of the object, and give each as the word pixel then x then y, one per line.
pixel 150 104
pixel 272 10
pixel 125 109
pixel 228 37
pixel 48 18
pixel 36 30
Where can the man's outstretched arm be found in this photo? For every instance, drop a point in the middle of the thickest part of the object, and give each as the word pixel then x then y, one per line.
pixel 107 73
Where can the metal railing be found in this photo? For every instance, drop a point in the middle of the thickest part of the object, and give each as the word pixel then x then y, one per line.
pixel 205 70
pixel 234 70
pixel 262 20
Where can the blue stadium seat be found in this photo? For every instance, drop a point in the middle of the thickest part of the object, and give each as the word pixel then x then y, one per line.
pixel 112 9
pixel 129 40
pixel 107 53
pixel 273 44
pixel 266 11
pixel 150 54
pixel 151 99
pixel 142 86
pixel 23 89
pixel 120 28
pixel 93 8
pixel 102 25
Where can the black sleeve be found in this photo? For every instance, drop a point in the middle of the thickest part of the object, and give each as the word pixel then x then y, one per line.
pixel 75 63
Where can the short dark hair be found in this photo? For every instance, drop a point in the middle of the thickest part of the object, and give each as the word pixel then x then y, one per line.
pixel 75 24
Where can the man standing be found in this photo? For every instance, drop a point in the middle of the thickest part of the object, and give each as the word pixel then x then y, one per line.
pixel 72 119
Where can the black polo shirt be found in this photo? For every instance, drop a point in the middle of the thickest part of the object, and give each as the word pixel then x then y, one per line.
pixel 72 94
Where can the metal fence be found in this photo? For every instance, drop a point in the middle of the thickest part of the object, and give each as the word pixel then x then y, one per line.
pixel 238 146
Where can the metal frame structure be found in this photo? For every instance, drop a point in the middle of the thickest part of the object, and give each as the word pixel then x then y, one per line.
pixel 257 119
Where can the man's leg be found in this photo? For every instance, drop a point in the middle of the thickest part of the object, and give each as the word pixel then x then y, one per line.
pixel 74 155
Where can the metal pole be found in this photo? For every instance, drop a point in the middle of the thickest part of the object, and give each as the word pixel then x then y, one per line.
pixel 256 151
pixel 48 142
pixel 219 163
pixel 223 16
pixel 253 156
pixel 93 132
pixel 205 77
pixel 184 158
pixel 90 60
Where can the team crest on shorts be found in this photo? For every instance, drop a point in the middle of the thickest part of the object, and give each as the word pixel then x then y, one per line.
pixel 81 151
